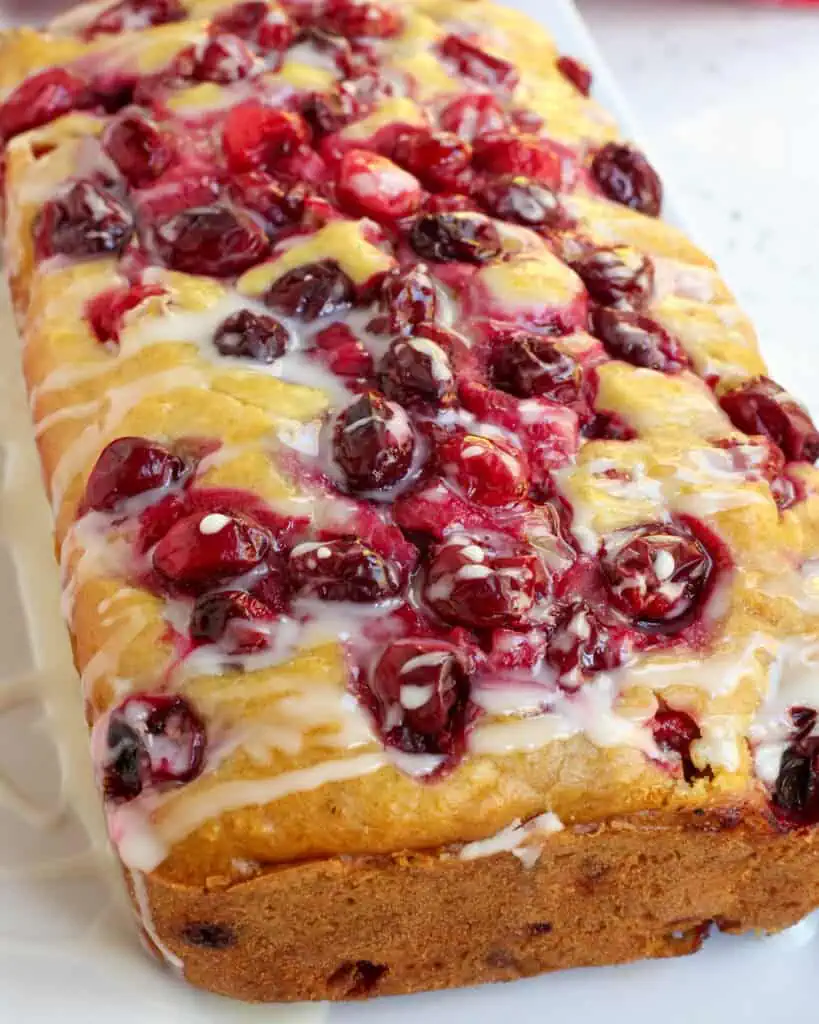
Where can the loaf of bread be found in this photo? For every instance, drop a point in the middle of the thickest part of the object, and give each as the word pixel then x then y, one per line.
pixel 439 561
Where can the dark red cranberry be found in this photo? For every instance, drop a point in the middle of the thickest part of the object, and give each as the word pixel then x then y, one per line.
pixel 530 364
pixel 580 644
pixel 408 298
pixel 342 352
pixel 473 115
pixel 342 570
pixel 488 470
pixel 132 15
pixel 327 113
pixel 83 221
pixel 461 237
pixel 523 201
pixel 312 291
pixel 205 549
pixel 502 153
pixel 41 98
pixel 657 574
pixel 761 406
pixel 106 312
pixel 280 206
pixel 256 136
pixel 576 72
pixel 674 731
pixel 417 369
pixel 230 618
pixel 137 147
pixel 209 936
pixel 624 174
pixel 796 791
pixel 639 340
pixel 616 275
pixel 355 19
pixel 607 426
pixel 373 186
pixel 219 241
pixel 222 59
pixel 373 442
pixel 249 335
pixel 257 22
pixel 480 66
pixel 128 467
pixel 436 158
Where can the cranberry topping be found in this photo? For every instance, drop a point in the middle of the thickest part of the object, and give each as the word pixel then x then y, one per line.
pixel 624 174
pixel 137 147
pixel 219 241
pixel 473 62
pixel 259 137
pixel 227 618
pixel 373 442
pixel 223 59
pixel 408 298
pixel 355 19
pixel 580 644
pixel 342 570
pixel 463 237
pixel 657 574
pixel 151 739
pixel 470 582
pixel 40 99
pixel 507 154
pixel 281 206
pixel 608 426
pixel 257 22
pixel 106 312
pixel 576 72
pixel 130 466
pixel 132 15
pixel 472 115
pixel 674 731
pixel 522 201
pixel 312 290
pixel 796 792
pixel 83 221
pixel 439 159
pixel 761 406
pixel 329 112
pixel 616 275
pixel 639 340
pixel 374 186
pixel 488 470
pixel 205 549
pixel 248 335
pixel 417 369
pixel 342 352
pixel 530 364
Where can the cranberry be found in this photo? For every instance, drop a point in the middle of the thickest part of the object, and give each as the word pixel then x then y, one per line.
pixel 374 186
pixel 522 201
pixel 219 241
pixel 624 174
pixel 255 136
pixel 408 298
pixel 373 442
pixel 312 290
pixel 41 98
pixel 417 369
pixel 248 335
pixel 480 66
pixel 133 15
pixel 257 22
pixel 222 59
pixel 342 352
pixel 128 467
pixel 82 221
pixel 356 18
pixel 439 159
pixel 279 205
pixel 761 406
pixel 576 72
pixel 204 549
pixel 796 792
pixel 580 644
pixel 472 584
pixel 530 364
pixel 342 570
pixel 608 426
pixel 503 153
pixel 463 237
pixel 327 113
pixel 657 574
pixel 421 689
pixel 151 739
pixel 674 731
pixel 472 115
pixel 639 340
pixel 106 312
pixel 227 618
pixel 616 275
pixel 488 470
pixel 137 147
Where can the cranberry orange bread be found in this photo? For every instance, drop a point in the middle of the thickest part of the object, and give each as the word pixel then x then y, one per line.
pixel 438 558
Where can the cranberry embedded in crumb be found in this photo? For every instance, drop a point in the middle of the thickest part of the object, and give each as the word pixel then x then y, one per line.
pixel 137 147
pixel 461 237
pixel 407 299
pixel 41 98
pixel 312 291
pixel 128 467
pixel 83 221
pixel 249 335
pixel 625 176
pixel 576 72
pixel 580 644
pixel 439 159
pixel 106 312
pixel 356 19
pixel 616 275
pixel 761 406
pixel 639 340
pixel 133 15
pixel 473 115
pixel 796 791
pixel 342 570
pixel 218 241
pixel 259 137
pixel 227 618
pixel 530 364
pixel 503 153
pixel 473 62
pixel 151 739
pixel 204 549
pixel 674 731
pixel 373 442
pixel 522 201
pixel 373 186
pixel 488 470
pixel 417 369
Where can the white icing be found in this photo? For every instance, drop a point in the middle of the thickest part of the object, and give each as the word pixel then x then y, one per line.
pixel 520 839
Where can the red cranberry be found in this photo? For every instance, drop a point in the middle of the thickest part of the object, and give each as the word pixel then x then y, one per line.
pixel 248 335
pixel 128 467
pixel 616 275
pixel 342 352
pixel 580 644
pixel 327 113
pixel 354 19
pixel 607 426
pixel 472 115
pixel 219 241
pixel 417 369
pixel 342 570
pixel 312 290
pixel 436 158
pixel 505 154
pixel 796 792
pixel 281 206
pixel 523 201
pixel 674 731
pixel 222 59
pixel 421 689
pixel 255 136
pixel 227 618
pixel 151 739
pixel 530 364
pixel 137 147
pixel 488 470
pixel 106 312
pixel 470 583
pixel 41 98
pixel 639 340
pixel 462 237
pixel 657 574
pixel 203 549
pixel 408 298
pixel 480 66
pixel 373 186
pixel 761 406
pixel 83 221
pixel 373 442
pixel 132 15
pixel 624 174
pixel 576 72
pixel 257 22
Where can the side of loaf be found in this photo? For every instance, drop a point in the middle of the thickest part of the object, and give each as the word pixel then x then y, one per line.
pixel 439 558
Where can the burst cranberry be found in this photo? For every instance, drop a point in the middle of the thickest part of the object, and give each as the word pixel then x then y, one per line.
pixel 40 99
pixel 248 335
pixel 523 201
pixel 342 352
pixel 657 574
pixel 132 15
pixel 281 206
pixel 137 147
pixel 580 644
pixel 470 583
pixel 607 426
pixel 342 570
pixel 373 186
pixel 312 291
pixel 223 59
pixel 507 154
pixel 329 112
pixel 488 470
pixel 796 792
pixel 257 22
pixel 230 618
pixel 530 364
pixel 439 159
pixel 624 174
pixel 204 549
pixel 106 312
pixel 456 237
pixel 128 467
pixel 83 221
pixel 255 136
pixel 417 369
pixel 473 115
pixel 616 275
pixel 763 407
pixel 480 66
pixel 674 731
pixel 576 72
pixel 373 442
pixel 355 19
pixel 151 740
pixel 219 241
pixel 407 299
pixel 639 340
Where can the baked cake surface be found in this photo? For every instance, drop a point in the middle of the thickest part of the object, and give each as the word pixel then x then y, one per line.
pixel 428 525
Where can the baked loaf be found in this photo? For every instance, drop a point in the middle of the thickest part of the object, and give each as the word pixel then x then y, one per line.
pixel 438 558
